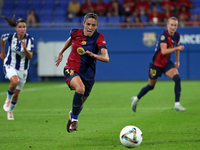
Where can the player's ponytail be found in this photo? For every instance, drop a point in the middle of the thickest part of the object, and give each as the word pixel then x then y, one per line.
pixel 12 22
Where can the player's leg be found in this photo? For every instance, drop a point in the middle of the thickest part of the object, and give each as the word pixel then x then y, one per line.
pixel 77 85
pixel 143 91
pixel 154 73
pixel 174 75
pixel 11 74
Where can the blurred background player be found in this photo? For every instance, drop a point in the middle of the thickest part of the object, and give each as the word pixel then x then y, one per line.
pixel 168 43
pixel 81 64
pixel 16 62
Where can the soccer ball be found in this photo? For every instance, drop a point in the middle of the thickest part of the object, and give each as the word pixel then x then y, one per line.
pixel 131 136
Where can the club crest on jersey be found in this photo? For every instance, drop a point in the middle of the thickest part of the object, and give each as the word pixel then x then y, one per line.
pixel 80 51
pixel 149 39
pixel 83 42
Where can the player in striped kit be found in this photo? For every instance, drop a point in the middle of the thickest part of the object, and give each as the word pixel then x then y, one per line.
pixel 16 62
pixel 81 64
pixel 168 43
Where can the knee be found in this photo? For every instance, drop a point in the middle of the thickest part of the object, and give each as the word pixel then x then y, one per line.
pixel 177 78
pixel 80 89
pixel 151 87
pixel 15 82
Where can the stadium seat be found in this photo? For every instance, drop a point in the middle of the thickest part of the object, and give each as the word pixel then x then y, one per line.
pixel 59 11
pixel 144 18
pixel 35 4
pixel 114 19
pixel 46 21
pixel 22 13
pixel 47 12
pixel 23 3
pixel 49 3
pixel 7 12
pixel 62 3
pixel 75 20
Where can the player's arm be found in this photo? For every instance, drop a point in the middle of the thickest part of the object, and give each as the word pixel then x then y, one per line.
pixel 103 57
pixel 165 50
pixel 67 44
pixel 2 55
pixel 29 54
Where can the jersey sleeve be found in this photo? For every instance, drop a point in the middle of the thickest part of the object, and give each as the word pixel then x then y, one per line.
pixel 163 38
pixel 101 43
pixel 7 37
pixel 30 44
pixel 71 32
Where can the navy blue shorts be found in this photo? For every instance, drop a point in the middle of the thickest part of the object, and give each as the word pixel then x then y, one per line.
pixel 69 74
pixel 155 72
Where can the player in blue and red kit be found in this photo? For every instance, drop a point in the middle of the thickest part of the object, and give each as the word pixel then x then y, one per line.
pixel 88 45
pixel 168 43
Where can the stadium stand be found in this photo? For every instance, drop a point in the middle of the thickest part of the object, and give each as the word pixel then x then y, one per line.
pixel 55 11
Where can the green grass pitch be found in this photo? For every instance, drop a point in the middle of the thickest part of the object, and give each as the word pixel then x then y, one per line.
pixel 42 112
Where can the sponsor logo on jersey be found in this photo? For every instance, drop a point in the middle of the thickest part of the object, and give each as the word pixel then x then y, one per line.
pixel 80 51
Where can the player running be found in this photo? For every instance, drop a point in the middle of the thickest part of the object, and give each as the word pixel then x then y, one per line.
pixel 168 43
pixel 16 62
pixel 81 64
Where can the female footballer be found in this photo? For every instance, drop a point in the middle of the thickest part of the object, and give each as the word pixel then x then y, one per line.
pixel 161 63
pixel 81 64
pixel 16 62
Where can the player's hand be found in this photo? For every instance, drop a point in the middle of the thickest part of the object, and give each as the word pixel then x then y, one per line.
pixel 90 54
pixel 180 48
pixel 23 43
pixel 59 59
pixel 177 64
pixel 2 56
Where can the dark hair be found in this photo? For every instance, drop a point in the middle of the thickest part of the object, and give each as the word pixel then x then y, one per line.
pixel 91 15
pixel 12 22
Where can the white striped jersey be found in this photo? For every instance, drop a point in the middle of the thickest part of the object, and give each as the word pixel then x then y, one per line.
pixel 16 56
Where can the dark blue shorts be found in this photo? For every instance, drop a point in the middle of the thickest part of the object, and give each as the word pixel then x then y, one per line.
pixel 155 72
pixel 69 74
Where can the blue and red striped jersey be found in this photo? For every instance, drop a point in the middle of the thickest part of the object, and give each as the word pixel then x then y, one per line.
pixel 78 60
pixel 159 59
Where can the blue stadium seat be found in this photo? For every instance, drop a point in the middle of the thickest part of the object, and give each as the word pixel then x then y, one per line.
pixel 114 19
pixel 195 10
pixel 59 11
pixel 9 3
pixel 47 12
pixel 7 12
pixel 23 3
pixel 46 21
pixel 144 18
pixel 59 19
pixel 19 12
pixel 35 4
pixel 76 20
pixel 103 19
pixel 49 2
pixel 62 3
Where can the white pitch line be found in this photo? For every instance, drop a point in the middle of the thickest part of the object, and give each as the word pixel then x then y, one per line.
pixel 38 88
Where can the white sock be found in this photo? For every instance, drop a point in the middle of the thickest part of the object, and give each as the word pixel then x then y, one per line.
pixel 177 103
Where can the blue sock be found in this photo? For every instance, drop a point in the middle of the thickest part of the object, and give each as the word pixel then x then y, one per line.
pixel 14 102
pixel 10 94
pixel 144 90
pixel 77 103
pixel 177 87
